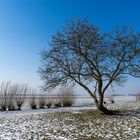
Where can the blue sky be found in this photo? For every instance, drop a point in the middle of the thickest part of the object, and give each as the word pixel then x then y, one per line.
pixel 26 27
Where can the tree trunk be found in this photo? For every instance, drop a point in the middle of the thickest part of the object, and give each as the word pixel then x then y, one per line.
pixel 101 106
pixel 104 110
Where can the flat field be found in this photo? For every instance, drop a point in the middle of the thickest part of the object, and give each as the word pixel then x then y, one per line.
pixel 75 123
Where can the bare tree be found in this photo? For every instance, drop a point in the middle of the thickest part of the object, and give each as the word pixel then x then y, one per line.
pixel 20 95
pixel 4 90
pixel 8 92
pixel 66 96
pixel 11 93
pixel 49 101
pixel 41 102
pixel 32 100
pixel 81 54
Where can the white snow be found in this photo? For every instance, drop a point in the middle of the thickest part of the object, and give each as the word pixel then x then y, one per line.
pixel 70 123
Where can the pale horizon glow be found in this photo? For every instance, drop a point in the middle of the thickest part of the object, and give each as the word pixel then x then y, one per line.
pixel 26 28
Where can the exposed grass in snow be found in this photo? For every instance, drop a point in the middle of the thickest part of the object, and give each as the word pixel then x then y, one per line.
pixel 68 124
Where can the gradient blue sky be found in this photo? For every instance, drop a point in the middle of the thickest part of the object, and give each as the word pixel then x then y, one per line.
pixel 26 27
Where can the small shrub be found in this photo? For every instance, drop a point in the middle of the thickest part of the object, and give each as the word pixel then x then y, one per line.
pixel 10 104
pixel 66 97
pixel 49 101
pixel 19 101
pixel 33 104
pixel 41 103
pixel 20 97
pixel 57 101
pixel 32 101
pixel 32 98
pixel 11 97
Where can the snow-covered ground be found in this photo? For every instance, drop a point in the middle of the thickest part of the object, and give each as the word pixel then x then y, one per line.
pixel 73 123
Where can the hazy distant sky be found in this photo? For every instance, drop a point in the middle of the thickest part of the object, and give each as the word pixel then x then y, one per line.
pixel 26 27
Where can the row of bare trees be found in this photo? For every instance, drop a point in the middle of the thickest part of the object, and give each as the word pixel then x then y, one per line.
pixel 64 98
pixel 13 96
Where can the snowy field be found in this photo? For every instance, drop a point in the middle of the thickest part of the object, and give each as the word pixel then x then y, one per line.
pixel 75 123
pixel 88 101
